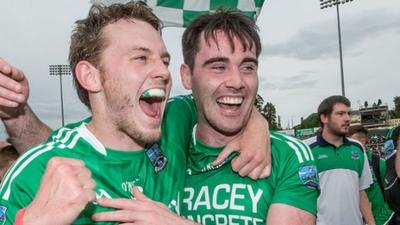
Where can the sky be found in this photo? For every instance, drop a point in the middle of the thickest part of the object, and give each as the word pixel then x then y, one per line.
pixel 298 68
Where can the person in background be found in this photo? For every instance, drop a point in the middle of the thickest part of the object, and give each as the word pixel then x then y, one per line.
pixel 392 176
pixel 381 212
pixel 343 169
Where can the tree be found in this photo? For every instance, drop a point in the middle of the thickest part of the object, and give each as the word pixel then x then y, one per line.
pixel 366 104
pixel 268 111
pixel 311 121
pixel 259 103
pixel 396 112
pixel 379 102
pixel 270 114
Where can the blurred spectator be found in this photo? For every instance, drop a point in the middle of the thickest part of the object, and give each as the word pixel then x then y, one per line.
pixel 392 181
pixel 376 144
pixel 380 209
pixel 8 154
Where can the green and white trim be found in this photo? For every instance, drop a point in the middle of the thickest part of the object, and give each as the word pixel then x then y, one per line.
pixel 302 151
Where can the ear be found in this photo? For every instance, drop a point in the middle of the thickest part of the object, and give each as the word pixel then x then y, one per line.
pixel 323 118
pixel 186 77
pixel 88 76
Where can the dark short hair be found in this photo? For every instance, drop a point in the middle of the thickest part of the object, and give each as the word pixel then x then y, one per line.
pixel 233 23
pixel 88 42
pixel 326 106
pixel 7 154
pixel 357 129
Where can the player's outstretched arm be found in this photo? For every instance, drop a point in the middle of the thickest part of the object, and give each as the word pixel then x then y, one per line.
pixel 140 210
pixel 65 190
pixel 281 214
pixel 254 147
pixel 23 126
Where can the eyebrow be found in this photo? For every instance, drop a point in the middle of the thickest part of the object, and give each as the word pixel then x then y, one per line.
pixel 225 59
pixel 163 55
pixel 250 59
pixel 215 59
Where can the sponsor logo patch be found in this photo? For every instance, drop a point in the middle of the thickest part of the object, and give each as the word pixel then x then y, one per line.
pixel 354 155
pixel 3 214
pixel 309 176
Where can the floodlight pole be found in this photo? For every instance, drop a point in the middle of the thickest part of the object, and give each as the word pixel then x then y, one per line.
pixel 61 94
pixel 340 50
pixel 60 70
pixel 329 3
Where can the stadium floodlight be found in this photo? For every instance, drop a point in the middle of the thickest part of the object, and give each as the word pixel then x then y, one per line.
pixel 329 3
pixel 60 70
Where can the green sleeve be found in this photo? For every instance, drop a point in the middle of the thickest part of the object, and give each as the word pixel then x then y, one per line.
pixel 297 180
pixel 180 116
pixel 20 187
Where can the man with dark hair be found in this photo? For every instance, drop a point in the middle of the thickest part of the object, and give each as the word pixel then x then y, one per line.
pixel 120 64
pixel 221 68
pixel 221 53
pixel 342 165
pixel 382 214
pixel 327 105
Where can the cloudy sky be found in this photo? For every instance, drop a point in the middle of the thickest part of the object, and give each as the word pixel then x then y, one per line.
pixel 298 68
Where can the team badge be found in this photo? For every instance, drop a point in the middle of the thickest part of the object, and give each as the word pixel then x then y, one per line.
pixel 3 214
pixel 156 157
pixel 354 155
pixel 309 176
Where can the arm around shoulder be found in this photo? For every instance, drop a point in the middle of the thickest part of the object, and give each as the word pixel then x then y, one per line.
pixel 26 129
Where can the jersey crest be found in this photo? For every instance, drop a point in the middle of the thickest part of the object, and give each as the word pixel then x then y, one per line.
pixel 354 155
pixel 156 157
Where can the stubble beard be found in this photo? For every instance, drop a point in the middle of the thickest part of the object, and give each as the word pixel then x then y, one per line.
pixel 124 117
pixel 139 136
pixel 337 131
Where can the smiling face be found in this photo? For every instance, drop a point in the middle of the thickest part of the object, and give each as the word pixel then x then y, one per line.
pixel 135 79
pixel 224 82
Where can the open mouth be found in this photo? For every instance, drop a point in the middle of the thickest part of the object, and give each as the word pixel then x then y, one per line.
pixel 150 102
pixel 231 103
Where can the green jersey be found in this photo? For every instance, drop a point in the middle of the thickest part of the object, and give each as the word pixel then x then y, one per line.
pixel 380 209
pixel 343 172
pixel 218 195
pixel 158 170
